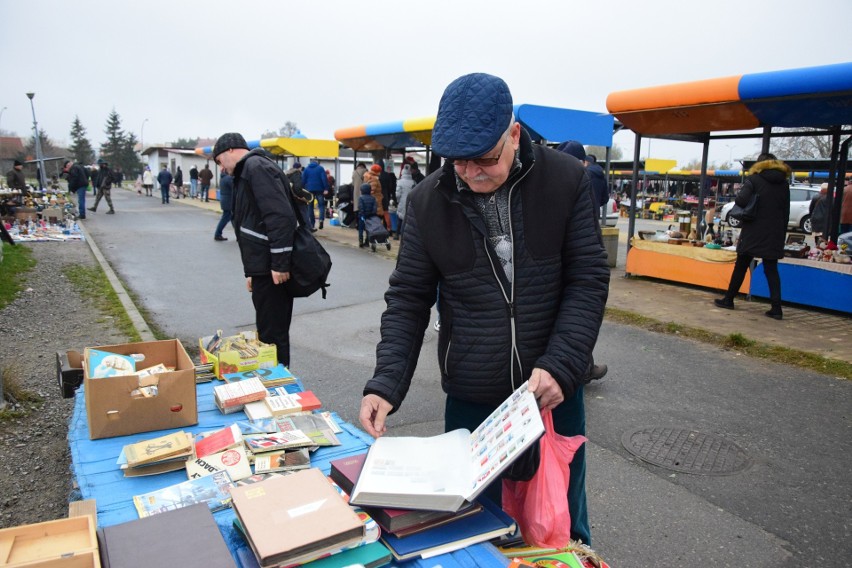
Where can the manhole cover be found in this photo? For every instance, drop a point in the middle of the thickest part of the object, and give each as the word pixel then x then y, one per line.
pixel 686 451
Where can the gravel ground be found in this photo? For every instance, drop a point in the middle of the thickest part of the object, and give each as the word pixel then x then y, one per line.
pixel 48 316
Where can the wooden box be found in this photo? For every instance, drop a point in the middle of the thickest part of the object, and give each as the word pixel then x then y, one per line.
pixel 64 543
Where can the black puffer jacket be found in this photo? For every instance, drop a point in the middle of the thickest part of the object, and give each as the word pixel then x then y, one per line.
pixel 263 215
pixel 551 313
pixel 765 236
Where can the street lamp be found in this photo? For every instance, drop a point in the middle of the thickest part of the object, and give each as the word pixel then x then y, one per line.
pixel 39 156
pixel 142 136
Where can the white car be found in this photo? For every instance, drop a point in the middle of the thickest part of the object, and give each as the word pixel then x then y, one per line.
pixel 800 203
pixel 611 213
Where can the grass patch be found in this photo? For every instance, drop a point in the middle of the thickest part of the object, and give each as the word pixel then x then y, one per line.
pixel 92 283
pixel 17 261
pixel 737 341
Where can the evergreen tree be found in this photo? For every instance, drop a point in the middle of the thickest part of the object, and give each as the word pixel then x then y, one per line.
pixel 81 149
pixel 129 159
pixel 111 149
pixel 186 143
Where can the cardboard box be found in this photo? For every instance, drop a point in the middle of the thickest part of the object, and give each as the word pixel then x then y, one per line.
pixel 69 372
pixel 226 362
pixel 64 543
pixel 114 409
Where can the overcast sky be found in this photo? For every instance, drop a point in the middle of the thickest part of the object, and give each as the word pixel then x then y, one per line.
pixel 200 68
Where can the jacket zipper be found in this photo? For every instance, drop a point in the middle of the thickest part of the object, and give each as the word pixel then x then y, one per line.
pixel 510 298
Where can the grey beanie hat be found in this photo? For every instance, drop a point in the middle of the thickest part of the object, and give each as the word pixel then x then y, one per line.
pixel 228 141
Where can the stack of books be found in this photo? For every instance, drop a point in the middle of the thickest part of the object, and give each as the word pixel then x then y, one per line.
pixel 232 397
pixel 413 533
pixel 204 373
pixel 157 455
pixel 276 376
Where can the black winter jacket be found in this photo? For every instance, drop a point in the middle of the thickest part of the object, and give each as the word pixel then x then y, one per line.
pixel 77 177
pixel 765 236
pixel 493 332
pixel 263 215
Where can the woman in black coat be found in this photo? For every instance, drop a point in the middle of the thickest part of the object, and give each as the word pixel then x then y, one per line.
pixel 765 236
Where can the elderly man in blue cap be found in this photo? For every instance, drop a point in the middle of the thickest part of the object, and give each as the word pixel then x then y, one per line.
pixel 507 229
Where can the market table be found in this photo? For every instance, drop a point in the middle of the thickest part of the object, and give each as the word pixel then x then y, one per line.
pixel 699 266
pixel 99 477
pixel 809 283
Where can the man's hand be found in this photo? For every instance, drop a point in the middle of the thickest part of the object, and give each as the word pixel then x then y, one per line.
pixel 280 277
pixel 248 284
pixel 545 388
pixel 374 410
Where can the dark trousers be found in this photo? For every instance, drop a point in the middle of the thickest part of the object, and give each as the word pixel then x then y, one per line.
pixel 164 193
pixel 770 269
pixel 569 419
pixel 273 308
pixel 226 217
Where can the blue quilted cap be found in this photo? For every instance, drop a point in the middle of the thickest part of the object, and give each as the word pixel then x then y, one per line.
pixel 474 112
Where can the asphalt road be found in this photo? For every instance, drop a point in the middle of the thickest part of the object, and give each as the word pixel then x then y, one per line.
pixel 790 507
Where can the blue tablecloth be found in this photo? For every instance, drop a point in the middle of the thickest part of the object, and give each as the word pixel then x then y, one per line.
pixel 99 477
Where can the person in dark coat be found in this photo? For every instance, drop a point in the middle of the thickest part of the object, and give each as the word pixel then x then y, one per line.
pixel 765 236
pixel 164 178
pixel 78 183
pixel 507 229
pixel 265 225
pixel 178 182
pixel 226 201
pixel 819 209
pixel 104 187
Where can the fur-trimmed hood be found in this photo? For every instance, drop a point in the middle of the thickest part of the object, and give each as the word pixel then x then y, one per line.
pixel 769 165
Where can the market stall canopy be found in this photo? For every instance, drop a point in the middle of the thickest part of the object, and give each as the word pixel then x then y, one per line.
pixel 549 124
pixel 296 146
pixel 818 97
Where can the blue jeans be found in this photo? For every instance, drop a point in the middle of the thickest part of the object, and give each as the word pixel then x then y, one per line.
pixel 193 187
pixel 164 192
pixel 81 201
pixel 205 192
pixel 226 216
pixel 569 419
pixel 360 229
pixel 319 199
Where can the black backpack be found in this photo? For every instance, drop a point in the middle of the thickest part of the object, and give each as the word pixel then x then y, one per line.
pixel 310 264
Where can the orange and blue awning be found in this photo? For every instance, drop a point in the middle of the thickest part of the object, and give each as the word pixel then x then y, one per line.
pixel 818 97
pixel 549 124
pixel 298 146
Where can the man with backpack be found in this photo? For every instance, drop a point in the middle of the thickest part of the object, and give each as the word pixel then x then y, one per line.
pixel 265 223
pixel 303 196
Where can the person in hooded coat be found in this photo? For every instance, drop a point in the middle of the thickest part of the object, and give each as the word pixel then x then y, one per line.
pixel 403 187
pixel 764 237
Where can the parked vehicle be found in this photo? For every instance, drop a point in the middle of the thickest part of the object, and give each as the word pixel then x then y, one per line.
pixel 800 203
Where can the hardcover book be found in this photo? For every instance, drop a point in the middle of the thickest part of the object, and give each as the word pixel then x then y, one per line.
pixel 187 537
pixel 212 490
pixel 442 472
pixel 290 460
pixel 303 506
pixel 218 441
pixel 401 522
pixel 485 525
pixel 233 460
pixel 259 443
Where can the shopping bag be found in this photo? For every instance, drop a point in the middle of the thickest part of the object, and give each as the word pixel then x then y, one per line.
pixel 540 505
pixel 747 213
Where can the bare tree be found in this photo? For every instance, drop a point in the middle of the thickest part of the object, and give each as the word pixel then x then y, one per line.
pixel 600 152
pixel 802 147
pixel 289 129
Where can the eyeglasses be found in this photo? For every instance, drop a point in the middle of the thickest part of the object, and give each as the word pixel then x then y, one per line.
pixel 484 162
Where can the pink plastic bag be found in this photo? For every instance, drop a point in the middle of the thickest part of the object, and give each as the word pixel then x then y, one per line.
pixel 540 505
